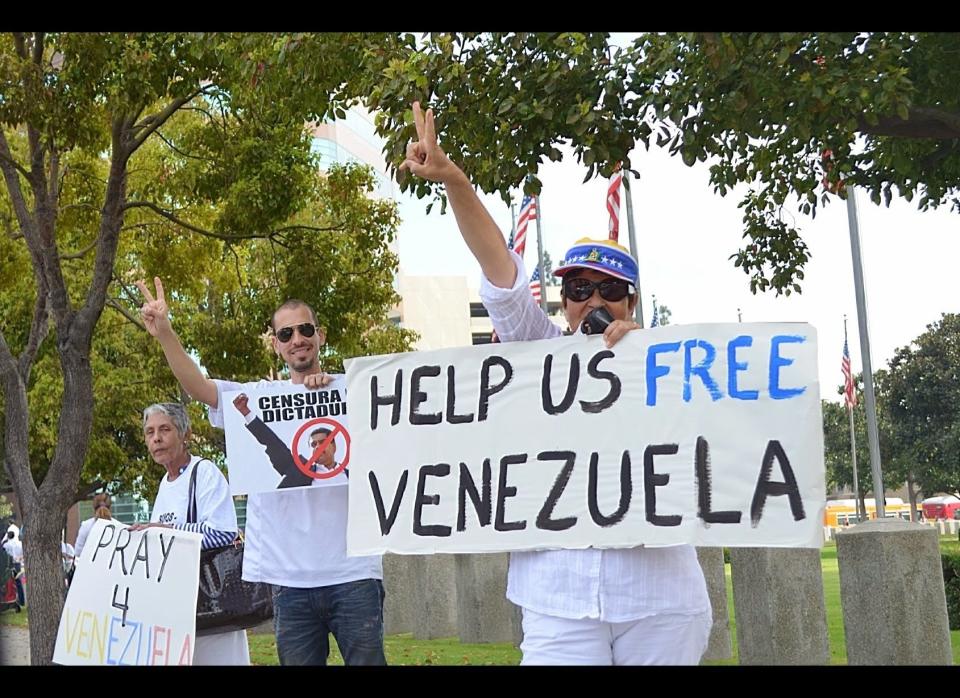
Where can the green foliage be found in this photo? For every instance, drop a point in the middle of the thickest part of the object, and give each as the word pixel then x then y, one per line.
pixel 951 584
pixel 224 203
pixel 761 108
pixel 924 405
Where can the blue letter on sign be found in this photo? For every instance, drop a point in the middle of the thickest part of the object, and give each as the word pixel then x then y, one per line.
pixel 654 371
pixel 733 367
pixel 776 361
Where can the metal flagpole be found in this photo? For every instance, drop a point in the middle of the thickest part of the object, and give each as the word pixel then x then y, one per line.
pixel 633 244
pixel 543 280
pixel 869 398
pixel 861 514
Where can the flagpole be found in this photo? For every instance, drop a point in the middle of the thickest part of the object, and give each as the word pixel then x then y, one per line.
pixel 861 514
pixel 543 280
pixel 870 401
pixel 638 312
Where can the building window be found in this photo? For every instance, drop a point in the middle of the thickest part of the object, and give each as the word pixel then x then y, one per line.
pixel 477 310
pixel 327 150
pixel 481 338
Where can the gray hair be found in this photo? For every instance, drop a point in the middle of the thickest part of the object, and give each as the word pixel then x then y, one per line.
pixel 174 410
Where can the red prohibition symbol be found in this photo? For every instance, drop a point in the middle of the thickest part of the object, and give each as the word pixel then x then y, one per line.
pixel 306 467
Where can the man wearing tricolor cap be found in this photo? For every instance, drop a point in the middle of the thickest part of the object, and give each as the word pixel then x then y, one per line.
pixel 614 606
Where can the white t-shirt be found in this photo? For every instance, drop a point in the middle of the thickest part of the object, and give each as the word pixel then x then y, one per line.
pixel 214 503
pixel 214 508
pixel 14 549
pixel 297 537
pixel 84 531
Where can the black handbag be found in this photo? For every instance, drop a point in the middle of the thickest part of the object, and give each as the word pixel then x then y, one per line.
pixel 224 601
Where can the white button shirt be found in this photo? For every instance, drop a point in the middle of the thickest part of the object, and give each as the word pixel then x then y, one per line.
pixel 614 585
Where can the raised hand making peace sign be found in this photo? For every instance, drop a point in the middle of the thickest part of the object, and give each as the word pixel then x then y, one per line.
pixel 154 311
pixel 424 157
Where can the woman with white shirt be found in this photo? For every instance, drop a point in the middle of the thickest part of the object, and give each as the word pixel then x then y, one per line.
pixel 101 510
pixel 166 430
pixel 617 606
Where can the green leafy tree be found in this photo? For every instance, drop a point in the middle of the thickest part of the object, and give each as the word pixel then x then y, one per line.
pixel 924 405
pixel 550 280
pixel 762 109
pixel 177 155
pixel 663 314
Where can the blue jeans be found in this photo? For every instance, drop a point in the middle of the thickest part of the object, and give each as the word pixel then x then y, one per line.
pixel 352 611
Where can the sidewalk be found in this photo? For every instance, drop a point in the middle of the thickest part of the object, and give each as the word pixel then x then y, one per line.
pixel 14 645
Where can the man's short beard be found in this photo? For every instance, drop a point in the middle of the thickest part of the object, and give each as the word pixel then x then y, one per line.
pixel 304 365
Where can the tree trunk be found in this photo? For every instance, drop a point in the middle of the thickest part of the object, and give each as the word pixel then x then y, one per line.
pixel 912 495
pixel 55 497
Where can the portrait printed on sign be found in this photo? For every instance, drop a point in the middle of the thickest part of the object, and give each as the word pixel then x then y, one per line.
pixel 284 436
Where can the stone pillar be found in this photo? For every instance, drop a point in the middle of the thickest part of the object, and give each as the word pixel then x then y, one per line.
pixel 891 589
pixel 434 596
pixel 400 587
pixel 483 612
pixel 778 601
pixel 711 561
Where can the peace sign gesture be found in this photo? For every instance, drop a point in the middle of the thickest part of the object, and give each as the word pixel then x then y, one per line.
pixel 424 157
pixel 154 311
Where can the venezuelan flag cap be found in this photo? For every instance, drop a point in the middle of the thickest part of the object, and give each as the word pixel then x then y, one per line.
pixel 602 255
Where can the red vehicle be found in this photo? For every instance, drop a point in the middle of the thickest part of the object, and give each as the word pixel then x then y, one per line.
pixel 945 507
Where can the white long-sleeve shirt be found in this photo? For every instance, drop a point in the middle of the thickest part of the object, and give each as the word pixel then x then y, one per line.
pixel 614 585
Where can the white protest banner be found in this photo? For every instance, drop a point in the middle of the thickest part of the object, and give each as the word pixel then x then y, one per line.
pixel 133 599
pixel 283 435
pixel 702 434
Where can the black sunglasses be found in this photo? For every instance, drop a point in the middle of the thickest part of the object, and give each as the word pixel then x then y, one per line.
pixel 285 334
pixel 580 289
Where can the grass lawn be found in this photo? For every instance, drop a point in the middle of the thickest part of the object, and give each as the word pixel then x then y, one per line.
pixel 404 650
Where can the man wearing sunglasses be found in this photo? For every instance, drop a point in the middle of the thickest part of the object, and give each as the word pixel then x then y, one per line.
pixel 296 538
pixel 616 606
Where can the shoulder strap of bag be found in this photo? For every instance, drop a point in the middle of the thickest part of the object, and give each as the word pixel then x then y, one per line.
pixel 192 495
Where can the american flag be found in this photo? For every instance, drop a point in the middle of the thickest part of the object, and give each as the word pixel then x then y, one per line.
pixel 613 203
pixel 535 284
pixel 849 393
pixel 655 320
pixel 528 212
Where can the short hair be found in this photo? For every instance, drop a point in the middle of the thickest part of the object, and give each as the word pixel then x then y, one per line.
pixel 9 534
pixel 319 430
pixel 292 304
pixel 174 410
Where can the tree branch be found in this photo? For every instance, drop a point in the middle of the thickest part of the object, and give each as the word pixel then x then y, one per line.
pixel 151 123
pixel 8 362
pixel 38 47
pixel 108 236
pixel 5 155
pixel 24 218
pixel 180 152
pixel 79 253
pixel 923 122
pixel 116 305
pixel 54 193
pixel 39 327
pixel 222 236
pixel 20 43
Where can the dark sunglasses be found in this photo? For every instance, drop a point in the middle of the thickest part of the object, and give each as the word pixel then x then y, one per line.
pixel 285 334
pixel 580 289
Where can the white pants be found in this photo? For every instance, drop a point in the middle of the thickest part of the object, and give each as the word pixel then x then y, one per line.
pixel 222 649
pixel 670 638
